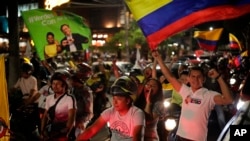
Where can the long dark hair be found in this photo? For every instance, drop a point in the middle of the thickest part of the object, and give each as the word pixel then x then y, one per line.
pixel 141 101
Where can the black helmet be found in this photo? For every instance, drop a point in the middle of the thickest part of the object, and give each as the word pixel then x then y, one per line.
pixel 124 86
pixel 27 68
pixel 61 76
pixel 96 80
pixel 84 71
pixel 137 74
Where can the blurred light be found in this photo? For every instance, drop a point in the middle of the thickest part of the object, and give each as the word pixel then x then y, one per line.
pixel 232 81
pixel 118 25
pixel 198 59
pixel 25 29
pixel 166 103
pixel 1 40
pixel 98 42
pixel 119 44
pixel 108 124
pixel 109 25
pixel 32 43
pixel 170 124
pixel 22 44
pixel 94 35
pixel 50 4
pixel 99 36
pixel 105 36
pixel 240 104
pixel 175 44
pixel 211 28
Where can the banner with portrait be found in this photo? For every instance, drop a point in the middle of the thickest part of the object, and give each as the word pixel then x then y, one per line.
pixel 55 32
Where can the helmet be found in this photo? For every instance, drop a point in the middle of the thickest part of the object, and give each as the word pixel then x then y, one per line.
pixel 61 76
pixel 84 67
pixel 137 74
pixel 96 80
pixel 124 86
pixel 84 71
pixel 27 68
pixel 25 60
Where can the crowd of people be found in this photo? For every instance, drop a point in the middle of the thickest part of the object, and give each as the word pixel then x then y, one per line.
pixel 74 105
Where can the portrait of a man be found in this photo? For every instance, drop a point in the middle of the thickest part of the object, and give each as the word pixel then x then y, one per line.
pixel 72 42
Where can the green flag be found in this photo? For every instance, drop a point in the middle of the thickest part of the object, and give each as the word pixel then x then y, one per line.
pixel 69 31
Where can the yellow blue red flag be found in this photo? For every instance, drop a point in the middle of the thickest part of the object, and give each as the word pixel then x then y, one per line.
pixel 4 104
pixel 234 42
pixel 207 40
pixel 160 19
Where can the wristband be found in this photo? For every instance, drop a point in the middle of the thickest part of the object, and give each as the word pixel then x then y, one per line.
pixel 218 77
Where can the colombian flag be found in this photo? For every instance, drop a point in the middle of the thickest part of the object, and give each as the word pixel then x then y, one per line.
pixel 234 42
pixel 4 104
pixel 207 40
pixel 160 19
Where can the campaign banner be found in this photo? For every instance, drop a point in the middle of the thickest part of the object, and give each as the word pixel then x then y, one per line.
pixel 55 32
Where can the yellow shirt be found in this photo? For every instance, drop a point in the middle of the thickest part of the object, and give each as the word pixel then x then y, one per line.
pixel 175 97
pixel 51 50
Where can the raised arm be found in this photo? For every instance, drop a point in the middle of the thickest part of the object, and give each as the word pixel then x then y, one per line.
pixel 166 72
pixel 115 69
pixel 154 73
pixel 226 97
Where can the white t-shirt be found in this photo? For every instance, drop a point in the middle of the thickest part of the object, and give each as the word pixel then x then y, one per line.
pixel 66 103
pixel 26 84
pixel 196 108
pixel 44 91
pixel 122 126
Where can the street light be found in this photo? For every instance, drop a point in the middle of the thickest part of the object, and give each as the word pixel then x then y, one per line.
pixel 50 4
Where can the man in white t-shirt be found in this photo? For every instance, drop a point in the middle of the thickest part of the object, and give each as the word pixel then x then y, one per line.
pixel 126 122
pixel 197 100
pixel 27 83
pixel 62 118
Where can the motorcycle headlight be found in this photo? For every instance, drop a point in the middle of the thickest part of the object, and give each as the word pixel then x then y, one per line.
pixel 239 104
pixel 232 81
pixel 166 103
pixel 170 124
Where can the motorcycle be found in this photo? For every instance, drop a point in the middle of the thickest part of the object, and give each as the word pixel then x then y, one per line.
pixel 24 119
pixel 172 115
pixel 5 131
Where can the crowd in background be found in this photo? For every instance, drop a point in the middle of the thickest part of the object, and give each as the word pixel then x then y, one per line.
pixel 84 95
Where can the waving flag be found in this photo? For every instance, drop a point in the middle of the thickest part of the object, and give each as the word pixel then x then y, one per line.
pixel 208 39
pixel 41 23
pixel 160 19
pixel 234 42
pixel 4 102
